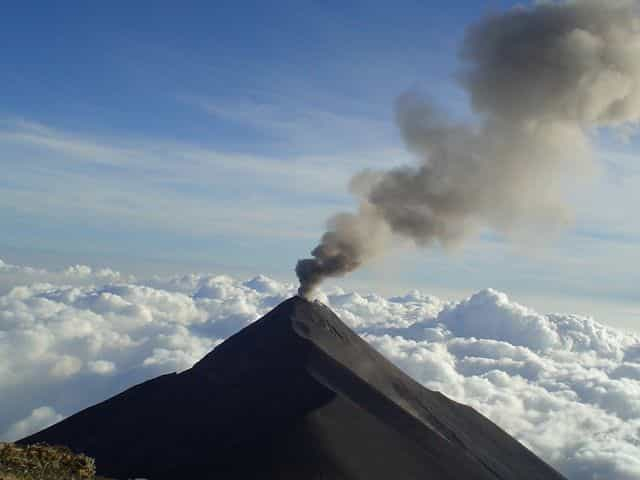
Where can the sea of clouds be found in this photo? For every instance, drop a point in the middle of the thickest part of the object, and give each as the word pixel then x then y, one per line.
pixel 566 386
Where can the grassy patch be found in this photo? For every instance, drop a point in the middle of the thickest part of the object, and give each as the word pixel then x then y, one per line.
pixel 43 462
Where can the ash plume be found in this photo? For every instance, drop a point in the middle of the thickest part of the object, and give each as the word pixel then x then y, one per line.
pixel 540 79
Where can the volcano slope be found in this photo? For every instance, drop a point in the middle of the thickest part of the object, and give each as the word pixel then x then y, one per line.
pixel 295 395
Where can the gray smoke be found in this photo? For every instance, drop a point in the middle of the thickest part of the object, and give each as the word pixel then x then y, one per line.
pixel 540 79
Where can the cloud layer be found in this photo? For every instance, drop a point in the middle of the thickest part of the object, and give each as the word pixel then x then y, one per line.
pixel 566 386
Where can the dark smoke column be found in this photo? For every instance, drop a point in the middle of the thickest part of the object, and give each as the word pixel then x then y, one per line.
pixel 540 80
pixel 350 240
pixel 326 262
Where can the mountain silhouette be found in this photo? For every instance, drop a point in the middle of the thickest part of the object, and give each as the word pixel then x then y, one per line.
pixel 295 395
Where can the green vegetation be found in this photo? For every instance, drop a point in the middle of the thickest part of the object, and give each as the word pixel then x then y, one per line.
pixel 43 462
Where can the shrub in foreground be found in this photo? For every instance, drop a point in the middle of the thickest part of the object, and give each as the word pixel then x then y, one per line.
pixel 43 462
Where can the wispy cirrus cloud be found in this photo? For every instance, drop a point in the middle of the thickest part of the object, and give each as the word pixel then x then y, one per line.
pixel 146 181
pixel 165 160
pixel 294 124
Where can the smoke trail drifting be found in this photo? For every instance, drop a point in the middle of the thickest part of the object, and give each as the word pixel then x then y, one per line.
pixel 540 79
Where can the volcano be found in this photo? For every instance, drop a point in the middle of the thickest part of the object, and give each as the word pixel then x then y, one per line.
pixel 295 395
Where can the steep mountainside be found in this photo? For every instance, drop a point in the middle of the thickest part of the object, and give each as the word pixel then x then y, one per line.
pixel 297 394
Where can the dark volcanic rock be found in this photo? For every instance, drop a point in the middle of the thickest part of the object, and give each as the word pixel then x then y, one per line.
pixel 296 395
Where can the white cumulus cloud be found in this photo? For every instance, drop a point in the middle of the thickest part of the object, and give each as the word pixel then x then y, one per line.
pixel 38 419
pixel 566 386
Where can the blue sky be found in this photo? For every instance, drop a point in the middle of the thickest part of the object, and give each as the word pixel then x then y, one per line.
pixel 164 137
